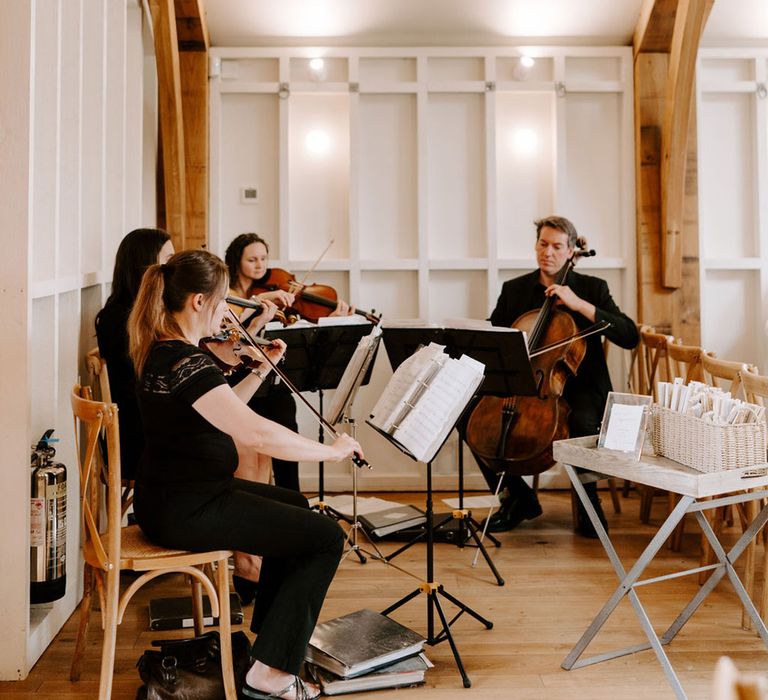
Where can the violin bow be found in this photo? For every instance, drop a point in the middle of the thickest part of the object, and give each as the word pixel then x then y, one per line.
pixel 591 330
pixel 315 264
pixel 356 459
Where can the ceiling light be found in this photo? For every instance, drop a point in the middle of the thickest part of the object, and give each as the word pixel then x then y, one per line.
pixel 317 69
pixel 523 68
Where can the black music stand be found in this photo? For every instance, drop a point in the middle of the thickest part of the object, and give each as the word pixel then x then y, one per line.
pixel 432 588
pixel 315 360
pixel 340 411
pixel 507 371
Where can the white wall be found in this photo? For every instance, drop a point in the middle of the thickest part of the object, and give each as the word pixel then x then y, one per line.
pixel 428 198
pixel 732 101
pixel 76 170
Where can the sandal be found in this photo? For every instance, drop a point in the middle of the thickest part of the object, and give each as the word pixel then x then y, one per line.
pixel 302 691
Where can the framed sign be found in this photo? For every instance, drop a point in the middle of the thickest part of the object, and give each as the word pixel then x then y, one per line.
pixel 624 423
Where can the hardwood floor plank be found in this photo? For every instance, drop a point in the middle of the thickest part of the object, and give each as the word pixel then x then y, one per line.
pixel 555 584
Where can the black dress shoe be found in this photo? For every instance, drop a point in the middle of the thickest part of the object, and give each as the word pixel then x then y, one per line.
pixel 584 525
pixel 508 517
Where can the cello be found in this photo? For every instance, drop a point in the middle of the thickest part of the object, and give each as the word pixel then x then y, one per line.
pixel 515 433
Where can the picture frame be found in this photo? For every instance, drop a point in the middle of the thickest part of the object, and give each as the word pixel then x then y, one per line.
pixel 625 422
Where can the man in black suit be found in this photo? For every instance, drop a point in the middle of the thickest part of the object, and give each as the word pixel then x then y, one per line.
pixel 588 300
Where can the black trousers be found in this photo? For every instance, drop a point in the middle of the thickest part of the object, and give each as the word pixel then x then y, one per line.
pixel 280 406
pixel 301 551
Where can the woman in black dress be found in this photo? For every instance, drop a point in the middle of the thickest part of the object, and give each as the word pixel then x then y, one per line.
pixel 186 494
pixel 141 248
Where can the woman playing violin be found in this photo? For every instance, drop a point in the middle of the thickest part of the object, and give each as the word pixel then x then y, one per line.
pixel 588 300
pixel 187 496
pixel 247 258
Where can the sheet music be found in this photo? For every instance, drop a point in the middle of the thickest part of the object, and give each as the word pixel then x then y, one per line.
pixel 406 382
pixel 358 364
pixel 424 428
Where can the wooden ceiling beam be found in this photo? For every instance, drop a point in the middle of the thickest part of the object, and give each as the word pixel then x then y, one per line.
pixel 191 27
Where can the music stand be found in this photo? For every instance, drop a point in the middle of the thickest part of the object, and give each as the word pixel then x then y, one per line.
pixel 430 587
pixel 315 360
pixel 340 411
pixel 507 371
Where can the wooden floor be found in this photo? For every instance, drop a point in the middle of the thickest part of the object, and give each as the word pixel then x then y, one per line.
pixel 555 583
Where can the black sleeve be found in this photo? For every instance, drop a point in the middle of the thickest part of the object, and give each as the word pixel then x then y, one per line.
pixel 194 375
pixel 623 330
pixel 507 309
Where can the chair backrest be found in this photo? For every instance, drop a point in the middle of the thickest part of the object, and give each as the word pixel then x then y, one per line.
pixel 93 417
pixel 723 373
pixel 97 370
pixel 637 381
pixel 654 347
pixel 685 361
pixel 755 386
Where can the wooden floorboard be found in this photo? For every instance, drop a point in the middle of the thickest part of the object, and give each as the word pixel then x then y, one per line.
pixel 556 581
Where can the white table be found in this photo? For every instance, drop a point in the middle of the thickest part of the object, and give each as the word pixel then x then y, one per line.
pixel 693 487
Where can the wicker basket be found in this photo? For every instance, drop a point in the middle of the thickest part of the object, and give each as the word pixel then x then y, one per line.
pixel 705 446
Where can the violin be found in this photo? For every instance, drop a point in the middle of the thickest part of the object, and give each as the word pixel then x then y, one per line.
pixel 242 333
pixel 230 353
pixel 515 433
pixel 313 301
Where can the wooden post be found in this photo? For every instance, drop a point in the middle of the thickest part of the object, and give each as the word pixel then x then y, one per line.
pixel 193 46
pixel 665 45
pixel 171 119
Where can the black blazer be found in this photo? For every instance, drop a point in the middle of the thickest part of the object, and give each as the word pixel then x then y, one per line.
pixel 587 391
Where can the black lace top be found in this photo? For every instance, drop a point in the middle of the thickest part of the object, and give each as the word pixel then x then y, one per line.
pixel 181 446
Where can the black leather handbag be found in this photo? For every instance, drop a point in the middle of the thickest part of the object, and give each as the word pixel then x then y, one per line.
pixel 190 669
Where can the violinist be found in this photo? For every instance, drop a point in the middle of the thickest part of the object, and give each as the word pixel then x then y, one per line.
pixel 247 258
pixel 139 249
pixel 186 494
pixel 588 300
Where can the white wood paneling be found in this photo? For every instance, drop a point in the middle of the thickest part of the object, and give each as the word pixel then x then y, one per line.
pixel 439 207
pixel 77 121
pixel 733 202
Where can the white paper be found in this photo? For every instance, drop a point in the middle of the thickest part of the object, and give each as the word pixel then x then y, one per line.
pixel 404 384
pixel 343 504
pixel 624 426
pixel 424 428
pixel 489 501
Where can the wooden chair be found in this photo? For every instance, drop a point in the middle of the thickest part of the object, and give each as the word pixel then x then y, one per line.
pixel 725 374
pixel 684 361
pixel 637 380
pixel 107 554
pixel 654 347
pixel 99 376
pixel 755 388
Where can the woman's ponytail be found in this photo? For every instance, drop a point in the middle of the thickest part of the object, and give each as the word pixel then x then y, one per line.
pixel 163 291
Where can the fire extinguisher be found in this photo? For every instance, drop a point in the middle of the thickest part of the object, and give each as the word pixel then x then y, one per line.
pixel 48 523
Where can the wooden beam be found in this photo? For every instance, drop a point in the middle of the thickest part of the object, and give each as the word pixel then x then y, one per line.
pixel 171 119
pixel 690 18
pixel 191 27
pixel 653 33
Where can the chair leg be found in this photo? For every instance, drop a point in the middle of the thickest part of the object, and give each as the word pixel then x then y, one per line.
pixel 197 606
pixel 225 632
pixel 625 488
pixel 614 496
pixel 110 633
pixel 749 567
pixel 82 628
pixel 646 501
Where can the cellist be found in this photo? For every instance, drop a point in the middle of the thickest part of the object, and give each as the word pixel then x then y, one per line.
pixel 588 300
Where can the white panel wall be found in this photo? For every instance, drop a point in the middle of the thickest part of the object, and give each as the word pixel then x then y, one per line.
pixel 77 112
pixel 427 188
pixel 732 100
